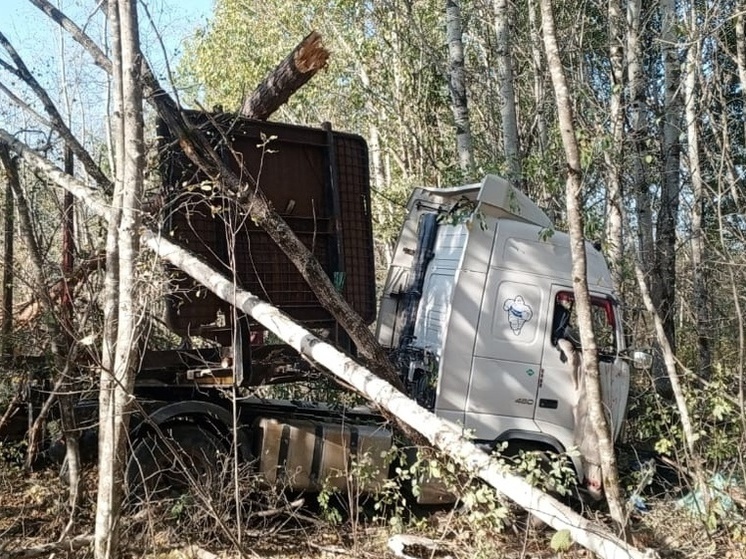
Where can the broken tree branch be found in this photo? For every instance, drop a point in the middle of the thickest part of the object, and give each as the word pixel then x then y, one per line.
pixel 306 59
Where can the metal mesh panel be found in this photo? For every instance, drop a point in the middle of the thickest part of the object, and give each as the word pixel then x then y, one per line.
pixel 308 175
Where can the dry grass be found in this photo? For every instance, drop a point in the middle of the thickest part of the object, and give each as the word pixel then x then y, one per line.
pixel 33 510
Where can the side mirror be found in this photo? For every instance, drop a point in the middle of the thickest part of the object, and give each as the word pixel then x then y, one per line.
pixel 640 359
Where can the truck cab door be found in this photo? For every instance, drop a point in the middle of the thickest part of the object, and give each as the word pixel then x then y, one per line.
pixel 557 388
pixel 507 355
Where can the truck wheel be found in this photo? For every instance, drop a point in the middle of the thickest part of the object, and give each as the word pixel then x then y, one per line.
pixel 165 465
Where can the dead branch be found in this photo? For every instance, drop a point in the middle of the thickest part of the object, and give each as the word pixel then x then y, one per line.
pixel 279 510
pixel 13 408
pixel 73 544
pixel 58 123
pixel 302 64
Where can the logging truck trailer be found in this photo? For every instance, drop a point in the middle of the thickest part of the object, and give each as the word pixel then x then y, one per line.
pixel 477 299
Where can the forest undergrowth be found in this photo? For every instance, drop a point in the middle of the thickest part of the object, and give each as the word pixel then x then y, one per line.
pixel 271 523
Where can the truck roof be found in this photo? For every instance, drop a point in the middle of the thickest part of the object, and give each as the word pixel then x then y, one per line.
pixel 495 196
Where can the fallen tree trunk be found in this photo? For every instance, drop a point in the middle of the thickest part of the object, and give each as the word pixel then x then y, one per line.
pixel 441 434
pixel 291 74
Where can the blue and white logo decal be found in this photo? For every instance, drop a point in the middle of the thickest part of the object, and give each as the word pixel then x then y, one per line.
pixel 519 313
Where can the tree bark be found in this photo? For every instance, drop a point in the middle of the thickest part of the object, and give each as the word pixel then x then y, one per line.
pixel 511 141
pixel 457 86
pixel 741 63
pixel 122 320
pixel 11 175
pixel 291 74
pixel 700 289
pixel 664 288
pixel 579 273
pixel 614 156
pixel 638 119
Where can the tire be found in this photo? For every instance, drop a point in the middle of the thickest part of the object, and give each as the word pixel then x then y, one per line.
pixel 164 465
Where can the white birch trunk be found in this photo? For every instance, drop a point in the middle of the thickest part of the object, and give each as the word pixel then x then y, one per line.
pixel 669 358
pixel 457 86
pixel 638 120
pixel 664 288
pixel 511 142
pixel 741 63
pixel 120 314
pixel 691 108
pixel 579 275
pixel 441 434
pixel 614 156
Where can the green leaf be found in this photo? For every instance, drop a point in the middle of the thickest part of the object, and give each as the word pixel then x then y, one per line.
pixel 561 541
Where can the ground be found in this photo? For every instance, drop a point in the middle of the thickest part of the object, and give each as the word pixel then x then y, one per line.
pixel 33 510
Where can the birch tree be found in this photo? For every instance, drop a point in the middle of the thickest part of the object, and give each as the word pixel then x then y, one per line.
pixel 507 100
pixel 665 241
pixel 457 86
pixel 579 275
pixel 691 111
pixel 121 321
pixel 614 155
pixel 637 109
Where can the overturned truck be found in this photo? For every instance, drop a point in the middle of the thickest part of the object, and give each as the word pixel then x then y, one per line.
pixel 476 312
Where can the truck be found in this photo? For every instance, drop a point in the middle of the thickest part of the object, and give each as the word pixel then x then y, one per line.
pixel 476 300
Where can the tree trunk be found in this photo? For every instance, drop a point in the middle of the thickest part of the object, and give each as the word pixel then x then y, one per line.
pixel 511 141
pixel 457 86
pixel 638 120
pixel 614 156
pixel 61 359
pixel 291 74
pixel 741 63
pixel 700 289
pixel 120 356
pixel 664 289
pixel 579 274
pixel 66 397
pixel 11 174
pixel 669 358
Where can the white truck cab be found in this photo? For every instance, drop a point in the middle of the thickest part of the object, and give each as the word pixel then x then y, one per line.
pixel 478 294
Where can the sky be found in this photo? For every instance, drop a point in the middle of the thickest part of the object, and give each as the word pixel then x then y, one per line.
pixel 40 42
pixel 30 31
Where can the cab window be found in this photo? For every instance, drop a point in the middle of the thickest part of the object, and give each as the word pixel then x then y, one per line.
pixel 565 322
